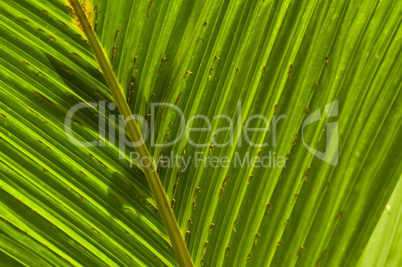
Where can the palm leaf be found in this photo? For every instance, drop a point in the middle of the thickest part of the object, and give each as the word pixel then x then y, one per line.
pixel 63 204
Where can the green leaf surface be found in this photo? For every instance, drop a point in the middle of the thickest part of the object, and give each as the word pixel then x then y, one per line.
pixel 62 204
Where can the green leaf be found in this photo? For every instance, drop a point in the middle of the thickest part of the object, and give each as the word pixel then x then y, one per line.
pixel 385 241
pixel 63 204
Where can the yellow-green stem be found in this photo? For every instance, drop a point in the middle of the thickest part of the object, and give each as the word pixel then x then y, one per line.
pixel 133 132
